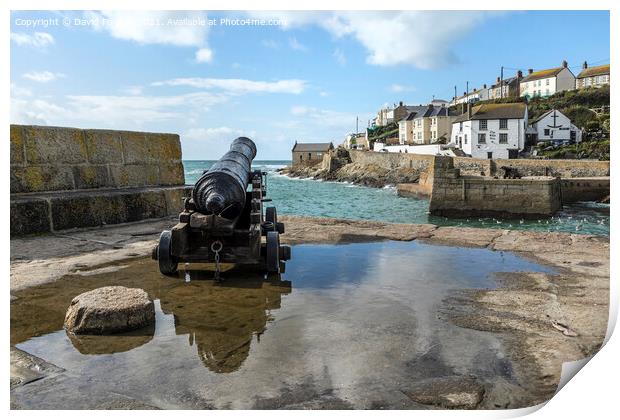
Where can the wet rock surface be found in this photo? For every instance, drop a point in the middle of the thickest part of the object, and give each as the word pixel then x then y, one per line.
pixel 367 175
pixel 454 392
pixel 110 309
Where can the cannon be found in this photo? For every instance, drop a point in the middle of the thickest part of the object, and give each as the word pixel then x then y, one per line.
pixel 224 220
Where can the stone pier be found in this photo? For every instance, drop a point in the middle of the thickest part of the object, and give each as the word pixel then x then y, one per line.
pixel 64 178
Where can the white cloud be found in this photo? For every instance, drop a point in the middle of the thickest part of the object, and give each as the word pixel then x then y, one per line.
pixel 37 40
pixel 401 88
pixel 179 28
pixel 134 90
pixel 339 56
pixel 270 43
pixel 238 86
pixel 42 76
pixel 296 45
pixel 204 55
pixel 323 94
pixel 112 111
pixel 421 39
pixel 211 134
pixel 326 118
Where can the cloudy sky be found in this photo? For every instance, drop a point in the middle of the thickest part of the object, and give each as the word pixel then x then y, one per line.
pixel 304 76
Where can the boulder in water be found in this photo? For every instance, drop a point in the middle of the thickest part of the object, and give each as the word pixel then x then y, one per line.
pixel 110 309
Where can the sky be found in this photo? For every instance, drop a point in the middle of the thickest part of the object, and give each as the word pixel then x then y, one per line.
pixel 282 77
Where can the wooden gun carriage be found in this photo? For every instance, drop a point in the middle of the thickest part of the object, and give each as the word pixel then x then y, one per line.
pixel 224 222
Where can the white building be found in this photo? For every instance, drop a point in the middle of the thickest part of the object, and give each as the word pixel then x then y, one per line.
pixel 424 149
pixel 547 82
pixel 491 131
pixel 553 126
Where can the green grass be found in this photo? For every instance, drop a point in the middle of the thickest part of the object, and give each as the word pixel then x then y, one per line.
pixel 584 150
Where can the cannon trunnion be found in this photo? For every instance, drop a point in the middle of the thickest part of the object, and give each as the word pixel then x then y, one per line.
pixel 224 221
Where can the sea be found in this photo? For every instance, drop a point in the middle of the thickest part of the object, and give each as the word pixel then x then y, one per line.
pixel 309 197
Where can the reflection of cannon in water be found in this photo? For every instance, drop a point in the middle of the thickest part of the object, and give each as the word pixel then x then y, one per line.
pixel 221 320
pixel 223 222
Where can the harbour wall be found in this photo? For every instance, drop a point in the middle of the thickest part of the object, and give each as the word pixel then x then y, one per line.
pixel 454 195
pixel 64 178
pixel 564 168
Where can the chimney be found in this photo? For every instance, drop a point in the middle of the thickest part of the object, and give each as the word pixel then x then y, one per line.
pixel 530 71
pixel 519 74
pixel 484 86
pixel 498 79
pixel 585 65
pixel 475 90
pixel 469 111
pixel 400 103
pixel 564 63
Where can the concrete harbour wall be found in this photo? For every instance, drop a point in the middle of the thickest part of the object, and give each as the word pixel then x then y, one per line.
pixel 63 178
pixel 488 167
pixel 454 195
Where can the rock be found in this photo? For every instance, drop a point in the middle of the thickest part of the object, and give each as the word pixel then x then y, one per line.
pixel 108 310
pixel 448 392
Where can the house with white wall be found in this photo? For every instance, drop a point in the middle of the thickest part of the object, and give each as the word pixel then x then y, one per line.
pixel 491 131
pixel 547 82
pixel 596 76
pixel 555 127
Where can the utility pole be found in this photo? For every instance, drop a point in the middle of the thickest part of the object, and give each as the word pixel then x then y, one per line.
pixel 501 83
pixel 467 91
pixel 454 94
pixel 357 124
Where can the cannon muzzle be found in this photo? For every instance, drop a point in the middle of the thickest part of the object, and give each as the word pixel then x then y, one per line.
pixel 221 190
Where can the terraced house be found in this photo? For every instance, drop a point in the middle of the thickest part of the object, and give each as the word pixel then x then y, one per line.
pixel 506 88
pixel 593 76
pixel 547 82
pixel 427 126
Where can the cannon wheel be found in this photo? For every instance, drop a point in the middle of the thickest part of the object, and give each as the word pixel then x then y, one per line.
pixel 273 252
pixel 167 263
pixel 271 216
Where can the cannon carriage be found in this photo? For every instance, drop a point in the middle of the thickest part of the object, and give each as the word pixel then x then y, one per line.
pixel 224 221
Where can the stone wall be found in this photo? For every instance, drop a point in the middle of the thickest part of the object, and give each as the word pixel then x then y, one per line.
pixel 585 189
pixel 392 160
pixel 454 195
pixel 488 167
pixel 64 178
pixel 59 158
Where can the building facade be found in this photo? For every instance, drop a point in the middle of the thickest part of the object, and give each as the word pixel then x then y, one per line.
pixel 555 127
pixel 506 88
pixel 309 153
pixel 426 126
pixel 547 82
pixel 593 76
pixel 491 131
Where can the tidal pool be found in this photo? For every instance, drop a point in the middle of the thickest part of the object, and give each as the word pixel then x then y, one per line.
pixel 347 326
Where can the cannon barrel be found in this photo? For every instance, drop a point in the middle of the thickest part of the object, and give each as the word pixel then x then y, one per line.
pixel 221 190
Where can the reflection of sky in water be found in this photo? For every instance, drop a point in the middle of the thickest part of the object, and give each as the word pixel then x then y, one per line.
pixel 361 320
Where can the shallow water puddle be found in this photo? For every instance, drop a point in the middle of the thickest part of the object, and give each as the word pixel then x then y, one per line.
pixel 351 327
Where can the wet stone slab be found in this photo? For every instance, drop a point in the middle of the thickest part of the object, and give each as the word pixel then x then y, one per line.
pixel 347 326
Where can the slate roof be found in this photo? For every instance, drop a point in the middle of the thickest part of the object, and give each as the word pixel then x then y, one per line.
pixel 428 111
pixel 594 71
pixel 312 147
pixel 542 74
pixel 505 82
pixel 494 112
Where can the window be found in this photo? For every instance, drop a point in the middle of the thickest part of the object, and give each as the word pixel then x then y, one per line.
pixel 309 156
pixel 482 137
pixel 546 131
pixel 547 82
pixel 503 138
pixel 465 138
pixel 482 125
pixel 460 126
pixel 547 92
pixel 503 124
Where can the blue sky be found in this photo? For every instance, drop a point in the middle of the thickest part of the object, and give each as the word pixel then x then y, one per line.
pixel 306 79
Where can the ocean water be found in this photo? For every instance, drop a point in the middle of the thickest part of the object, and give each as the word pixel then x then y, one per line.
pixel 307 197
